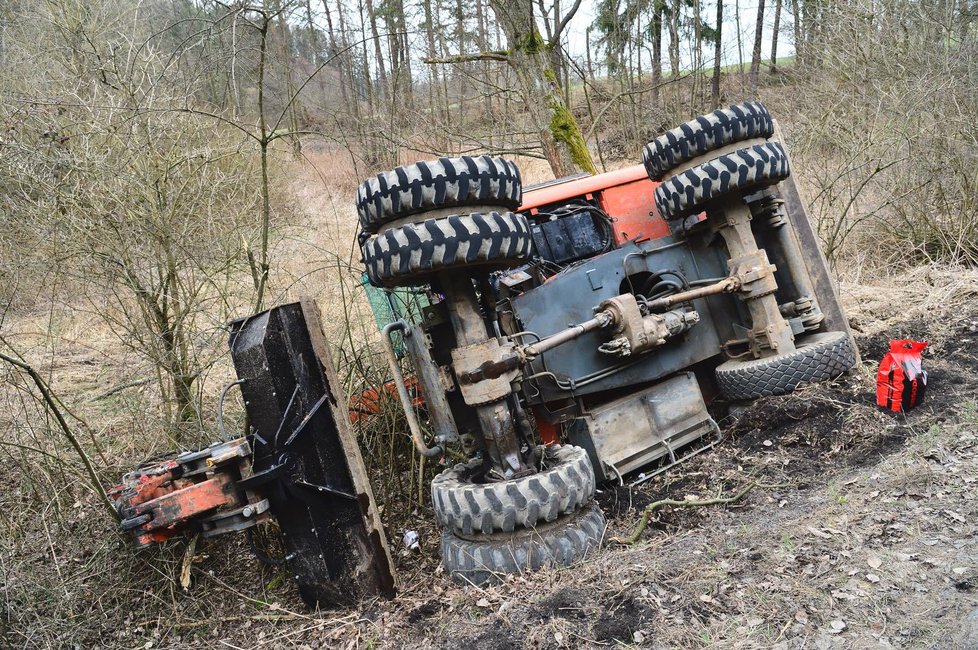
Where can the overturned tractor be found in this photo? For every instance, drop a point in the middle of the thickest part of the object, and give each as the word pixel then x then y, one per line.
pixel 599 315
pixel 570 333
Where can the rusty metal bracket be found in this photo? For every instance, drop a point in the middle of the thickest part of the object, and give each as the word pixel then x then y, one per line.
pixel 402 392
pixel 485 370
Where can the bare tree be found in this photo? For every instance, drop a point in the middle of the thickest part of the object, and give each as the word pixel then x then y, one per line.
pixel 774 36
pixel 755 60
pixel 528 56
pixel 717 52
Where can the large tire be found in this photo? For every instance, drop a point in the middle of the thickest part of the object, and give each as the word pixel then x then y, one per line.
pixel 705 134
pixel 483 559
pixel 443 183
pixel 409 255
pixel 564 484
pixel 752 167
pixel 816 358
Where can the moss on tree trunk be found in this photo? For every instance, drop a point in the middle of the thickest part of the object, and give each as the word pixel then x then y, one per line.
pixel 529 55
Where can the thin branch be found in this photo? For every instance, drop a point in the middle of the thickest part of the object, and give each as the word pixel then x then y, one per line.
pixel 319 69
pixel 52 403
pixel 121 387
pixel 495 55
pixel 563 23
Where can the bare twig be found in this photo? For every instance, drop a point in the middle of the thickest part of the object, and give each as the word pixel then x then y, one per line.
pixel 121 387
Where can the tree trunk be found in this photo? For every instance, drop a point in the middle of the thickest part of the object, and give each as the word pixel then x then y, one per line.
pixel 285 59
pixel 755 59
pixel 378 50
pixel 560 135
pixel 365 59
pixel 717 50
pixel 433 83
pixel 740 45
pixel 965 16
pixel 460 38
pixel 674 40
pixel 657 51
pixel 697 52
pixel 483 41
pixel 799 46
pixel 341 66
pixel 402 38
pixel 774 37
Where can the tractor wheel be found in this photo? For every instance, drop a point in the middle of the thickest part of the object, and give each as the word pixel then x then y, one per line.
pixel 409 255
pixel 480 181
pixel 816 358
pixel 705 134
pixel 462 504
pixel 752 167
pixel 484 559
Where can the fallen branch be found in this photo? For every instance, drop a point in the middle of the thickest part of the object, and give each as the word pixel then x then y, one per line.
pixel 188 560
pixel 121 387
pixel 655 505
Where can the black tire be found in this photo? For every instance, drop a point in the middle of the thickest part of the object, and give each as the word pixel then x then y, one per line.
pixel 484 559
pixel 565 484
pixel 412 253
pixel 749 168
pixel 705 134
pixel 816 358
pixel 442 183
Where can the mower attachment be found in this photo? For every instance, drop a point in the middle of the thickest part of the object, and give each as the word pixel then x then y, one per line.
pixel 299 462
pixel 306 461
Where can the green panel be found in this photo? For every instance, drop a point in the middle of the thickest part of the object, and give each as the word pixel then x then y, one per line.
pixel 389 305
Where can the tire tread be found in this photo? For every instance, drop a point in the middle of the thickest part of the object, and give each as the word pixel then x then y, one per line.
pixel 751 167
pixel 704 134
pixel 484 559
pixel 467 507
pixel 433 184
pixel 818 358
pixel 410 254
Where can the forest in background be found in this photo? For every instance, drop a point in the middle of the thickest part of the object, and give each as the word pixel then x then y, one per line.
pixel 163 163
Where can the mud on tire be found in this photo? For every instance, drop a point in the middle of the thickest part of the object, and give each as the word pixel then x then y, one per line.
pixel 410 254
pixel 751 167
pixel 483 559
pixel 565 484
pixel 705 134
pixel 442 183
pixel 816 358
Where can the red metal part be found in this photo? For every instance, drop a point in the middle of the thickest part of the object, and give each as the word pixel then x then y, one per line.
pixel 172 511
pixel 163 501
pixel 632 209
pixel 562 191
pixel 624 194
pixel 549 432
pixel 370 402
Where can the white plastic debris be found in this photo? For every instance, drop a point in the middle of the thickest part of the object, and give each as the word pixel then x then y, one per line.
pixel 411 540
